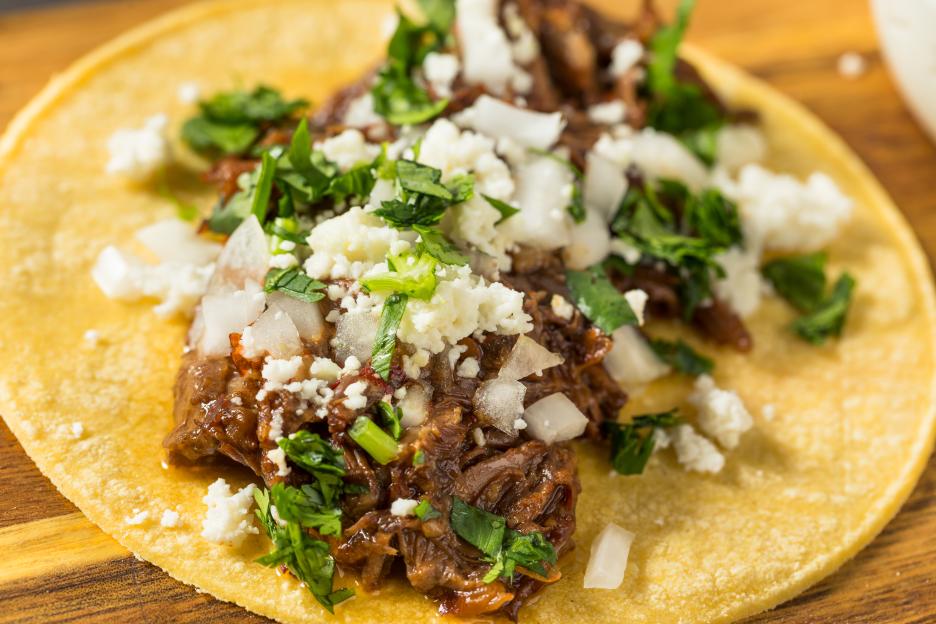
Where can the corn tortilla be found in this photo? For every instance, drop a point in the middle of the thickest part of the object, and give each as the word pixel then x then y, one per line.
pixel 853 421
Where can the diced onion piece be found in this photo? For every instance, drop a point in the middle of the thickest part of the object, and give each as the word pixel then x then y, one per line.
pixel 631 361
pixel 305 316
pixel 499 402
pixel 245 257
pixel 500 120
pixel 542 198
pixel 528 357
pixel 228 313
pixel 414 406
pixel 355 333
pixel 554 419
pixel 115 273
pixel 485 49
pixel 608 558
pixel 174 240
pixel 605 185
pixel 273 333
pixel 590 244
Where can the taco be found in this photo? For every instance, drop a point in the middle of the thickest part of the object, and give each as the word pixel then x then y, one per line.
pixel 529 316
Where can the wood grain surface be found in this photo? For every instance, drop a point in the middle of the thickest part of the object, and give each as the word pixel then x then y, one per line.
pixel 55 566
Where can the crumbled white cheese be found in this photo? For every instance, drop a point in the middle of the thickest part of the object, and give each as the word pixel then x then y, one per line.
pixel 123 276
pixel 524 44
pixel 631 361
pixel 661 439
pixel 414 406
pixel 170 519
pixel 360 112
pixel 403 506
pixel 780 213
pixel 350 244
pixel 355 398
pixel 462 304
pixel 469 368
pixel 625 55
pixel 852 65
pixel 454 354
pixel 283 261
pixel 324 368
pixel 440 71
pixel 561 307
pixel 721 413
pixel 188 92
pixel 657 154
pixel 139 153
pixel 348 149
pixel 279 372
pixel 769 411
pixel 413 364
pixel 275 432
pixel 520 424
pixel 138 518
pixel 637 300
pixel 351 365
pixel 92 337
pixel 695 452
pixel 76 430
pixel 278 457
pixel 608 113
pixel 228 519
pixel 485 49
pixel 742 286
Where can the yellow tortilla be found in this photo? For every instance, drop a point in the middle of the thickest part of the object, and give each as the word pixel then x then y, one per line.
pixel 806 489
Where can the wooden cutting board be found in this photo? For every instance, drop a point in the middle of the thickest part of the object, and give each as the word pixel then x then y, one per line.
pixel 57 566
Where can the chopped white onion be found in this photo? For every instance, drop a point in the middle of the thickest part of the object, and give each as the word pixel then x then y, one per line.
pixel 631 361
pixel 500 120
pixel 174 240
pixel 227 313
pixel 605 185
pixel 245 257
pixel 305 316
pixel 591 242
pixel 541 195
pixel 554 419
pixel 414 406
pixel 528 357
pixel 485 49
pixel 499 402
pixel 115 273
pixel 608 558
pixel 273 333
pixel 355 333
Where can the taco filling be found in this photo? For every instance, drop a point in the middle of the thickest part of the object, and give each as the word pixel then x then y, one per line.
pixel 433 282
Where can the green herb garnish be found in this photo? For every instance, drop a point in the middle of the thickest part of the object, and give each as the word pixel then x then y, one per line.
pixel 390 417
pixel 682 357
pixel 385 342
pixel 412 275
pixel 828 318
pixel 599 300
pixel 435 244
pixel 374 440
pixel 632 443
pixel 425 511
pixel 506 210
pixel 800 280
pixel 316 456
pixel 295 283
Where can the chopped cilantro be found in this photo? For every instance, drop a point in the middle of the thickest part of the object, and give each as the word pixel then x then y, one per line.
pixel 632 443
pixel 411 274
pixel 425 511
pixel 418 178
pixel 260 202
pixel 800 280
pixel 434 243
pixel 682 357
pixel 316 456
pixel 599 300
pixel 828 317
pixel 295 283
pixel 713 218
pixel 390 417
pixel 385 342
pixel 307 558
pixel 424 199
pixel 504 548
pixel 506 210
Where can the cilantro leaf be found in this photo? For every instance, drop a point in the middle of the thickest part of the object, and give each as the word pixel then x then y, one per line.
pixel 422 179
pixel 828 318
pixel 505 209
pixel 632 443
pixel 598 299
pixel 714 218
pixel 390 416
pixel 320 459
pixel 385 342
pixel 410 274
pixel 800 280
pixel 682 357
pixel 440 13
pixel 203 135
pixel 260 202
pixel 434 243
pixel 295 283
pixel 425 511
pixel 483 530
pixel 664 47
